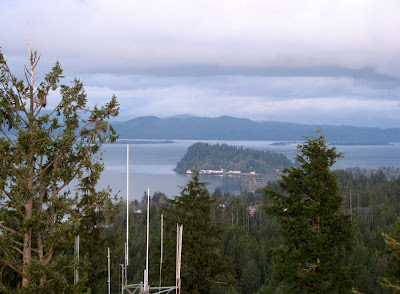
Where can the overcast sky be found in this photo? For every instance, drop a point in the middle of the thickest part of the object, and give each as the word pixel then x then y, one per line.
pixel 316 62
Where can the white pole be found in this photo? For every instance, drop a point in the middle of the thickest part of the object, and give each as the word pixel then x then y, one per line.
pixel 122 277
pixel 109 271
pixel 147 243
pixel 162 240
pixel 76 275
pixel 125 279
pixel 179 257
pixel 127 206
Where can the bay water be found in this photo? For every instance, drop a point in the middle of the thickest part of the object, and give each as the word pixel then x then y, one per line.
pixel 151 163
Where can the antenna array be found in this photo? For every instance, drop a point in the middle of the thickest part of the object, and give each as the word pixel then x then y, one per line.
pixel 144 287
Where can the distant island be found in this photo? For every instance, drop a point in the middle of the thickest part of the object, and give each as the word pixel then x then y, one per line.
pixel 220 159
pixel 231 128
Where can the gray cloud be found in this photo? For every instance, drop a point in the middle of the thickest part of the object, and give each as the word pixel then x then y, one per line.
pixel 123 34
pixel 321 62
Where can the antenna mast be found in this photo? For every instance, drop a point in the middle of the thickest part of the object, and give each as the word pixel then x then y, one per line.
pixel 146 272
pixel 144 287
pixel 162 241
pixel 108 271
pixel 127 205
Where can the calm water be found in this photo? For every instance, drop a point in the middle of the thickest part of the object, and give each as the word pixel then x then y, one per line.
pixel 151 165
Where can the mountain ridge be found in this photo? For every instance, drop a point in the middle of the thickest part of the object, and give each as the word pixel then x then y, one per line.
pixel 232 128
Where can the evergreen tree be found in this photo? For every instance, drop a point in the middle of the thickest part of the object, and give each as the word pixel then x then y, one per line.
pixel 204 269
pixel 250 280
pixel 315 233
pixel 45 153
pixel 392 280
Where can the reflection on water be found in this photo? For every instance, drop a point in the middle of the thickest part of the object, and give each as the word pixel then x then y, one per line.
pixel 151 165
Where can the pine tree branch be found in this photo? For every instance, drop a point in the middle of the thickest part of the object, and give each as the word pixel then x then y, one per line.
pixel 13 267
pixel 10 230
pixel 20 100
pixel 8 138
pixel 7 194
pixel 16 112
pixel 306 195
pixel 17 249
pixel 61 156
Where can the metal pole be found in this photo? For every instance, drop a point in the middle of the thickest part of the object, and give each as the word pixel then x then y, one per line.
pixel 180 257
pixel 146 278
pixel 125 268
pixel 122 277
pixel 162 240
pixel 179 232
pixel 177 259
pixel 76 273
pixel 109 271
pixel 127 206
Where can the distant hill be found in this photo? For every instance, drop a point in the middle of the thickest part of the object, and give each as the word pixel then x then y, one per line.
pixel 231 128
pixel 226 157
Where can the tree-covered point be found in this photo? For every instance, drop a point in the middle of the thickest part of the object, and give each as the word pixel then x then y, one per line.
pixel 227 157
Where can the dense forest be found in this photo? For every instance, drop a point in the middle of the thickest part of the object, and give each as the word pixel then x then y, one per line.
pixel 227 157
pixel 250 234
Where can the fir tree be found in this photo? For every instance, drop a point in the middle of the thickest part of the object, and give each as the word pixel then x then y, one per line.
pixel 392 280
pixel 45 155
pixel 250 280
pixel 315 233
pixel 204 269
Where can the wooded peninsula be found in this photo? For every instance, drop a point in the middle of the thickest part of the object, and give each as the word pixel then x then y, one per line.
pixel 232 159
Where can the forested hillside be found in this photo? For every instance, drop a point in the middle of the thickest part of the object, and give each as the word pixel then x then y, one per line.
pixel 250 235
pixel 223 156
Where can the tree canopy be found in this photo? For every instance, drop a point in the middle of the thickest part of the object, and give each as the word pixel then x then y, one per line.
pixel 315 233
pixel 49 168
pixel 204 269
pixel 217 156
pixel 392 280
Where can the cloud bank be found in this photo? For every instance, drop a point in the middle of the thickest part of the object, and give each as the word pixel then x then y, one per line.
pixel 320 62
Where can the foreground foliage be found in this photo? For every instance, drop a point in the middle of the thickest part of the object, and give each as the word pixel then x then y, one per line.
pixel 315 233
pixel 49 169
pixel 249 234
pixel 204 269
pixel 392 280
